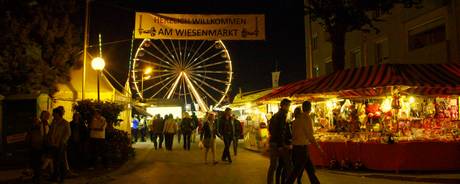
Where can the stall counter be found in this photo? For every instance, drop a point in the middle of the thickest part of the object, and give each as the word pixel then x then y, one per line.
pixel 433 156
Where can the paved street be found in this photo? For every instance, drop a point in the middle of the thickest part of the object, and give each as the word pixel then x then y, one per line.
pixel 178 166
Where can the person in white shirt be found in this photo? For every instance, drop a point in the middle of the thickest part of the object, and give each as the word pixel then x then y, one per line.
pixel 97 139
pixel 302 136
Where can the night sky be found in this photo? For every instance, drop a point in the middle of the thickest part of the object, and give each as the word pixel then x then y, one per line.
pixel 253 61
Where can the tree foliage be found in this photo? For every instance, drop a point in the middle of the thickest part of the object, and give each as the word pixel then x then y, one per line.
pixel 337 17
pixel 39 42
pixel 118 143
pixel 109 110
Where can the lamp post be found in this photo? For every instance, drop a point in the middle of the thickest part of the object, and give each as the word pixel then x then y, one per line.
pixel 98 64
pixel 147 71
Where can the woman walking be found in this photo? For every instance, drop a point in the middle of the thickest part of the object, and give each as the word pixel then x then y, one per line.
pixel 169 130
pixel 208 137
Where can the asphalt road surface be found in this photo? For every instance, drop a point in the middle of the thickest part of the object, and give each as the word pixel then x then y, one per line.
pixel 179 166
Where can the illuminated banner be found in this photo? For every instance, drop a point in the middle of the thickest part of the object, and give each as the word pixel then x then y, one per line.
pixel 199 27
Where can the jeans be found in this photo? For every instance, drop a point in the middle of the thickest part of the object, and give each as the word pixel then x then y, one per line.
pixel 235 145
pixel 280 173
pixel 160 137
pixel 302 162
pixel 169 140
pixel 277 153
pixel 154 137
pixel 226 153
pixel 143 132
pixel 187 141
pixel 134 134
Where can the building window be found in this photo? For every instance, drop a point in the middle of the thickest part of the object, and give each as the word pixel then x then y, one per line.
pixel 355 58
pixel 329 66
pixel 381 51
pixel 428 37
pixel 314 41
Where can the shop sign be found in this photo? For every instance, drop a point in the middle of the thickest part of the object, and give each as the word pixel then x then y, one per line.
pixel 199 27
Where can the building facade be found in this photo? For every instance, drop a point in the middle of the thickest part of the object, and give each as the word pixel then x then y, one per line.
pixel 407 35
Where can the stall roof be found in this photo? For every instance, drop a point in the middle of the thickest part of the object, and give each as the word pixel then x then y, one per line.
pixel 288 89
pixel 377 80
pixel 141 111
pixel 248 97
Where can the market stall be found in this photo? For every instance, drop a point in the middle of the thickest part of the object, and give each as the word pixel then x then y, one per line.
pixel 253 118
pixel 385 117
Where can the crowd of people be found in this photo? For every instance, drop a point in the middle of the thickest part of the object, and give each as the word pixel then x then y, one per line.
pixel 163 129
pixel 54 145
pixel 59 145
pixel 288 145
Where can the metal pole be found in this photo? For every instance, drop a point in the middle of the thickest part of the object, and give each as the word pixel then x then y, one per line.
pixel 85 47
pixel 98 93
pixel 142 86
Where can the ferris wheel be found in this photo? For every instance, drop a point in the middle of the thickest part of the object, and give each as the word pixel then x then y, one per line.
pixel 193 72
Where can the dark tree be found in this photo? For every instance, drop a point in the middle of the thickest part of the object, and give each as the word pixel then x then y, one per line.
pixel 39 42
pixel 338 17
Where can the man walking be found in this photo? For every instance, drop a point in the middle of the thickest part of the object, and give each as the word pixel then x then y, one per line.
pixel 302 136
pixel 97 139
pixel 279 141
pixel 226 131
pixel 134 128
pixel 157 128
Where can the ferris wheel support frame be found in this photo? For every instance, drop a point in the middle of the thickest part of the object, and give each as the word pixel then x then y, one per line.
pixel 194 81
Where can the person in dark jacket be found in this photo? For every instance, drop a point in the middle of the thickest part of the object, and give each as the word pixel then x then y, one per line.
pixel 157 129
pixel 194 126
pixel 226 132
pixel 135 128
pixel 186 129
pixel 35 140
pixel 236 134
pixel 279 141
pixel 73 150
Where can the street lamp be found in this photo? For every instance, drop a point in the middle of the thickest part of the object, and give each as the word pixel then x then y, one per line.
pixel 147 71
pixel 98 64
